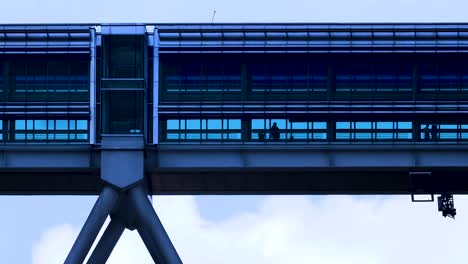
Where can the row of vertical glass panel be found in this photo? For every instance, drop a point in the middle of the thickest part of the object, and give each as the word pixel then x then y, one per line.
pixel 44 130
pixel 264 130
pixel 311 79
pixel 44 80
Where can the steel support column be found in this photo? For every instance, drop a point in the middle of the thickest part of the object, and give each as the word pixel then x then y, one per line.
pixel 107 242
pixel 150 245
pixel 104 204
pixel 148 220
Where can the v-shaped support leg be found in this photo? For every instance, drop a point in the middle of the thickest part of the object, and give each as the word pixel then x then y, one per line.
pixel 134 203
pixel 148 223
pixel 102 208
pixel 107 242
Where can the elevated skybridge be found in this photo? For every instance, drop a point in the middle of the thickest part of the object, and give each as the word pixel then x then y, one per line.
pixel 127 110
pixel 274 168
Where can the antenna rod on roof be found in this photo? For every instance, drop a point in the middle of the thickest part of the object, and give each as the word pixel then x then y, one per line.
pixel 214 14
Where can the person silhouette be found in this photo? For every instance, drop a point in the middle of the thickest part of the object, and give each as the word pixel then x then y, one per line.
pixel 261 137
pixel 274 132
pixel 426 133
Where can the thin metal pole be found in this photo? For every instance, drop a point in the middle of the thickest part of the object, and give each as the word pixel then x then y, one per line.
pixel 149 221
pixel 92 88
pixel 107 242
pixel 103 206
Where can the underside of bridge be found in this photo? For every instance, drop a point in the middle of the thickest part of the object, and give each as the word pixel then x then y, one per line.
pixel 238 169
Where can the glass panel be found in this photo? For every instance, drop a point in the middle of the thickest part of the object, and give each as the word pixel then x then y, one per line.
pixel 258 124
pixel 193 124
pixel 384 125
pixel 82 124
pixel 320 125
pixel 299 125
pixel 343 125
pixel 172 124
pixel 363 125
pixel 40 124
pixel 51 124
pixel 20 124
pixel 214 124
pixel 340 135
pixel 61 124
pixel 234 124
pixel 404 125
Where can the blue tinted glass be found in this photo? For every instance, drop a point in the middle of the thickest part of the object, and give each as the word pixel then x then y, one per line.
pixel 82 136
pixel 320 135
pixel 82 124
pixel 404 125
pixel 363 125
pixel 299 125
pixel 405 136
pixel 448 127
pixel 29 124
pixel 363 135
pixel 193 124
pixel 172 135
pixel 193 136
pixel 40 136
pixel 172 124
pixel 72 124
pixel 448 135
pixel 51 124
pixel 281 123
pixel 61 124
pixel 236 136
pixel 40 125
pixel 258 124
pixel 20 136
pixel 298 136
pixel 384 125
pixel 320 125
pixel 234 124
pixel 20 124
pixel 61 136
pixel 214 124
pixel 343 125
pixel 214 135
pixel 384 135
pixel 343 135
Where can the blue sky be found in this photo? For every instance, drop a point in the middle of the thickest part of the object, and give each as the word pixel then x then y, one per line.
pixel 245 229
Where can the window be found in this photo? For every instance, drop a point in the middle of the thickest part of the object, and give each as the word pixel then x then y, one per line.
pixel 59 79
pixel 203 130
pixel 42 130
pixel 290 131
pixel 202 77
pixel 431 132
pixel 443 78
pixel 292 77
pixel 381 78
pixel 373 131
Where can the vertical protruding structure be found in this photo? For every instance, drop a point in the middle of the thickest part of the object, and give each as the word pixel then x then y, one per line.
pixel 156 87
pixel 92 88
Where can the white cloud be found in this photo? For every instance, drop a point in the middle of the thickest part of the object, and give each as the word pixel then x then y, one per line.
pixel 52 243
pixel 299 229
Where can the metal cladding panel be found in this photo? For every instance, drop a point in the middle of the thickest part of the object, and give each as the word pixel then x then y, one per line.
pixel 110 29
pixel 44 39
pixel 320 38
